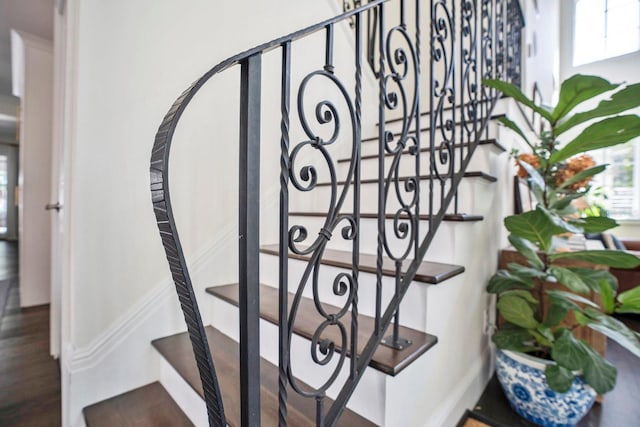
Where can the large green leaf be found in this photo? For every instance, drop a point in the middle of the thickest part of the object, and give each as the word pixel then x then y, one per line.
pixel 614 329
pixel 598 372
pixel 595 224
pixel 534 226
pixel 560 223
pixel 527 249
pixel 559 379
pixel 580 176
pixel 515 93
pixel 504 281
pixel 629 301
pixel 558 309
pixel 605 133
pixel 606 296
pixel 592 277
pixel 517 311
pixel 571 297
pixel 621 101
pixel 514 338
pixel 569 279
pixel 568 352
pixel 616 259
pixel 526 272
pixel 535 179
pixel 577 89
pixel 514 127
pixel 524 294
pixel 565 201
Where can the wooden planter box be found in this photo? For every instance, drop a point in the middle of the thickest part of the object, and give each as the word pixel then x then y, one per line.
pixel 597 340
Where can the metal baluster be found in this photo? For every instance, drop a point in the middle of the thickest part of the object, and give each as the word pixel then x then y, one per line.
pixel 283 301
pixel 249 240
pixel 417 127
pixel 381 175
pixel 356 196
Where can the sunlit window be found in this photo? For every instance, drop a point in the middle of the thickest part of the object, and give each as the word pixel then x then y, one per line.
pixel 620 184
pixel 604 29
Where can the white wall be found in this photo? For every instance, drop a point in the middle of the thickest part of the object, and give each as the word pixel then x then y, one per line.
pixel 33 73
pixel 130 61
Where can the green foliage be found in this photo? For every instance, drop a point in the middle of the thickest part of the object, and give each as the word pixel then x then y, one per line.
pixel 540 317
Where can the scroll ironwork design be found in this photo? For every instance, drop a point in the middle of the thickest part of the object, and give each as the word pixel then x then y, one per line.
pixel 468 40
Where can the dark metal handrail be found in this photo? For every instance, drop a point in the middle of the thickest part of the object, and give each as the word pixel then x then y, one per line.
pixel 486 46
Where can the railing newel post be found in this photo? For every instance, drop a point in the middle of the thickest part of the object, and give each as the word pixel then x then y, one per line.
pixel 249 240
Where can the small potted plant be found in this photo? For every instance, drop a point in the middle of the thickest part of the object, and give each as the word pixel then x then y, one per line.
pixel 549 374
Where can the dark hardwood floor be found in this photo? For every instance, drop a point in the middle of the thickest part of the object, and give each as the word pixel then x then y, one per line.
pixel 29 376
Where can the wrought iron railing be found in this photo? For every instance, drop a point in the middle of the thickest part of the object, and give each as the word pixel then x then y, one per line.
pixel 487 45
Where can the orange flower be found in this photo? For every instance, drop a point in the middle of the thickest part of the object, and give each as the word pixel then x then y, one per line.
pixel 574 166
pixel 580 163
pixel 531 159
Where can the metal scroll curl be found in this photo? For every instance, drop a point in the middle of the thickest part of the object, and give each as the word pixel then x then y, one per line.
pixel 443 90
pixel 400 91
pixel 305 178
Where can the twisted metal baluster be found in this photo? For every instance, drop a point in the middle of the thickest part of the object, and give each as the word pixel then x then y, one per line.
pixel 283 255
pixel 356 196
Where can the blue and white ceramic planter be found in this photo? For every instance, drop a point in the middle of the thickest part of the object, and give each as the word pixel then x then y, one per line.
pixel 522 379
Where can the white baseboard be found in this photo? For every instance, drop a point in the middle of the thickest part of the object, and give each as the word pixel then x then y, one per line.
pixel 121 358
pixel 466 393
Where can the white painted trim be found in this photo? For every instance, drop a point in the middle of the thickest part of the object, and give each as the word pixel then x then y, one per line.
pixel 122 358
pixel 91 355
pixel 466 393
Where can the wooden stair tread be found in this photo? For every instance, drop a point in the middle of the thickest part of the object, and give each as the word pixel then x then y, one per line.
pixel 427 128
pixel 149 406
pixel 459 217
pixel 176 349
pixel 385 359
pixel 471 174
pixel 428 272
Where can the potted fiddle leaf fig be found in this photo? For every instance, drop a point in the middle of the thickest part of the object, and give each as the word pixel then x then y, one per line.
pixel 545 300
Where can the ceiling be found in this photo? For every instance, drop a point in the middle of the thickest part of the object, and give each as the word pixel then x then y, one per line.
pixel 30 16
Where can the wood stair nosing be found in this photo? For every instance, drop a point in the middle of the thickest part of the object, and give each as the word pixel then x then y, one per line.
pixel 470 174
pixel 428 272
pixel 492 142
pixel 146 406
pixel 459 217
pixel 177 351
pixel 385 359
pixel 428 128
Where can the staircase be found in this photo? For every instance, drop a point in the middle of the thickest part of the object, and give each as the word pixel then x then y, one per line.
pixel 324 319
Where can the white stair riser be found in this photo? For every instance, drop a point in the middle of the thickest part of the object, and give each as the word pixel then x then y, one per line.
pixel 371 147
pixel 368 398
pixel 472 195
pixel 369 167
pixel 183 394
pixel 413 308
pixel 396 126
pixel 440 249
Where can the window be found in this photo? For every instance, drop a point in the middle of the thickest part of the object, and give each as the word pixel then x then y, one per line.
pixel 604 29
pixel 4 192
pixel 621 181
